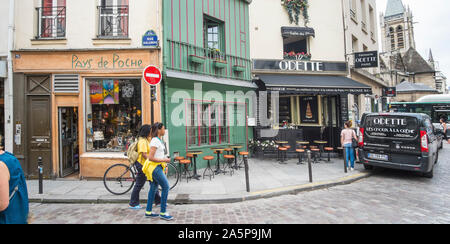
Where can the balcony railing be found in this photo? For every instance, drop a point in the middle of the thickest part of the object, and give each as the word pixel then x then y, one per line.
pixel 189 58
pixel 51 22
pixel 113 21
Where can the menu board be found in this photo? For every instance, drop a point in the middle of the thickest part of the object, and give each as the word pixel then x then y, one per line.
pixel 344 109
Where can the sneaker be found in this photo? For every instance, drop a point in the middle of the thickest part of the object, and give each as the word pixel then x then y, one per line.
pixel 165 216
pixel 151 215
pixel 137 207
pixel 351 169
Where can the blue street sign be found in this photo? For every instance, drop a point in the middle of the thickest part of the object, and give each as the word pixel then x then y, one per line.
pixel 150 39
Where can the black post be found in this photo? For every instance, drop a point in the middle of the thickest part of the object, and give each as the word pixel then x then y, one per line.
pixel 247 182
pixel 152 100
pixel 345 159
pixel 309 166
pixel 41 171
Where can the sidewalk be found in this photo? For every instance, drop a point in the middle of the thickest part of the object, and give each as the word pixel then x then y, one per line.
pixel 267 178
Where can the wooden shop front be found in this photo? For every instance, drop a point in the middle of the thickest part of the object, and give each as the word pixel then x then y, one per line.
pixel 78 109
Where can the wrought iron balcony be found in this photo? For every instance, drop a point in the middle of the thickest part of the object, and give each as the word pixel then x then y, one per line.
pixel 205 61
pixel 51 22
pixel 113 21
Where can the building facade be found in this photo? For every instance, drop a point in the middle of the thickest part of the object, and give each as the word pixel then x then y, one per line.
pixel 78 89
pixel 207 73
pixel 400 63
pixel 310 63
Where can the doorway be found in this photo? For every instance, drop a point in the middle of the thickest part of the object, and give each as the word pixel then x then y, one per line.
pixel 68 141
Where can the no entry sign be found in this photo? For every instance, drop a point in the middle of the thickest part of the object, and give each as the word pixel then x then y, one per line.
pixel 152 75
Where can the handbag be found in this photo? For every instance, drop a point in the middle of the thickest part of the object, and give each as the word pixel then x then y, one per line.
pixel 354 142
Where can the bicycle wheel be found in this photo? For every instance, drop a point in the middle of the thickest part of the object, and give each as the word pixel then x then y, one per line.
pixel 172 175
pixel 119 179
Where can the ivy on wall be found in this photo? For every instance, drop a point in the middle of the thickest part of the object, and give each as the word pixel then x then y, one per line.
pixel 295 8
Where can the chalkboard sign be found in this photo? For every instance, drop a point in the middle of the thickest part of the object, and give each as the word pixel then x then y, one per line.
pixel 344 109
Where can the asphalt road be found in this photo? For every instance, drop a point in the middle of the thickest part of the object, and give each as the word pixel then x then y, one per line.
pixel 388 196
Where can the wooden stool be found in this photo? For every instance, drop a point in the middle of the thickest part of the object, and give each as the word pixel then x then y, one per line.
pixel 281 154
pixel 315 152
pixel 244 155
pixel 228 150
pixel 208 167
pixel 230 159
pixel 328 150
pixel 185 162
pixel 300 152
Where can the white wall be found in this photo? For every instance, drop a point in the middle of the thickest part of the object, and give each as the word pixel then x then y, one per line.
pixel 81 25
pixel 268 16
pixel 4 9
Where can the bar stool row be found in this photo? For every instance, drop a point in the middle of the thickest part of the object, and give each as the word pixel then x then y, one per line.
pixel 301 150
pixel 229 154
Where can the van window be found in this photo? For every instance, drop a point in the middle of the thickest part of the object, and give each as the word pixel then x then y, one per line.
pixel 396 127
pixel 428 126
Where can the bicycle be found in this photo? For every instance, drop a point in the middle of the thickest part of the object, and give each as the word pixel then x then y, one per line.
pixel 119 179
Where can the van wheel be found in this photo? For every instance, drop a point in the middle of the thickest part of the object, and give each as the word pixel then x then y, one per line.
pixel 429 174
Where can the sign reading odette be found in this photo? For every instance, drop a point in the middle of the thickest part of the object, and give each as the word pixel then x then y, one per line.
pixel 299 66
pixel 366 60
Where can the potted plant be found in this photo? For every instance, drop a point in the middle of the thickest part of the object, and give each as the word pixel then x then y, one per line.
pixel 294 8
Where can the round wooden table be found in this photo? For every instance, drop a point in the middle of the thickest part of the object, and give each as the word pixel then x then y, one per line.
pixel 218 151
pixel 195 153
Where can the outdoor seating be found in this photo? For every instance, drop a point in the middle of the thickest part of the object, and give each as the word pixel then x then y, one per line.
pixel 229 164
pixel 329 150
pixel 208 167
pixel 282 154
pixel 301 153
pixel 185 163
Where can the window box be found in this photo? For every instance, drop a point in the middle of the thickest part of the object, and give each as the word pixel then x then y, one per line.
pixel 238 68
pixel 220 64
pixel 196 59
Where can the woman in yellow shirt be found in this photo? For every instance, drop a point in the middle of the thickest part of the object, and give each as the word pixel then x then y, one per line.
pixel 144 152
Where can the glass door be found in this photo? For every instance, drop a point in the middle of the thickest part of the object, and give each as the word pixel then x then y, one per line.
pixel 68 141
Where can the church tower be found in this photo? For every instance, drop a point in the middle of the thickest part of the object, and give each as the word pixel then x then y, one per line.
pixel 397 28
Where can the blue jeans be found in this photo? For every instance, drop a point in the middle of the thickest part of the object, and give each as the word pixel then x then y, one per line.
pixel 159 179
pixel 349 154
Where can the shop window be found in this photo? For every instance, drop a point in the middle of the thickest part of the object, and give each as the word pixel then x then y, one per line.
pixel 52 19
pixel 113 18
pixel 208 124
pixel 113 113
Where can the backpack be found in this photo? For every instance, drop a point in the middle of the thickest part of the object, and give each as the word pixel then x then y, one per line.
pixel 132 152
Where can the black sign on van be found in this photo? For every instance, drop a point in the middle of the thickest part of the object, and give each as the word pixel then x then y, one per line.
pixel 366 60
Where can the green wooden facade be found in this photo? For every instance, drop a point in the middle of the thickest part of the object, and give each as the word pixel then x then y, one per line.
pixel 189 61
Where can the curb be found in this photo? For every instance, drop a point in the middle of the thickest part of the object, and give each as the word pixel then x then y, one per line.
pixel 207 199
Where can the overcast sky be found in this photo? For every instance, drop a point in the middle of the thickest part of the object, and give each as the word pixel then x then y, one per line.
pixel 432 29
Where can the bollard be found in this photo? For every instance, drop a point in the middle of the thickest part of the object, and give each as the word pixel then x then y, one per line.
pixel 345 159
pixel 309 166
pixel 247 182
pixel 41 172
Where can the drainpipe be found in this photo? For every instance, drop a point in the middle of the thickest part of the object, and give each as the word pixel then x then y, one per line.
pixel 9 112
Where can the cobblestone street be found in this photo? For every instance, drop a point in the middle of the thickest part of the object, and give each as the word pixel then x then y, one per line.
pixel 388 196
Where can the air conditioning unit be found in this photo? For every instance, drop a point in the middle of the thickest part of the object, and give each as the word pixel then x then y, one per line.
pixel 3 69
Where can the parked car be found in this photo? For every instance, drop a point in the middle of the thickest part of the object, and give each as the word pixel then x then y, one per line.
pixel 405 141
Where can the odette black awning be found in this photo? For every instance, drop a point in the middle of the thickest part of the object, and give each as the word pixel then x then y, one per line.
pixel 311 84
pixel 297 31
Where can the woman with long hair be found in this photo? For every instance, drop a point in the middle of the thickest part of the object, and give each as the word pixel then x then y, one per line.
pixel 154 170
pixel 143 149
pixel 347 136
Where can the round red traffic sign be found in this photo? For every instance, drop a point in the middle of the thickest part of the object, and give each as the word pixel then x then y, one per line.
pixel 152 75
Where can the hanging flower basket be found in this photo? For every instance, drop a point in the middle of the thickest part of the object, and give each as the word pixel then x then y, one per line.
pixel 297 56
pixel 295 8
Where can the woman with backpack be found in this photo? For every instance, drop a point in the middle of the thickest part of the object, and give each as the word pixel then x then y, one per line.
pixel 143 149
pixel 154 170
pixel 347 136
pixel 13 191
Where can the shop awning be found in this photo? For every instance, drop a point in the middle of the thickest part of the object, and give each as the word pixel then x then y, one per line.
pixel 297 31
pixel 311 84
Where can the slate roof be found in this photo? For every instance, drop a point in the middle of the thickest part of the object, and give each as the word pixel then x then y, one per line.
pixel 414 63
pixel 406 86
pixel 394 7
